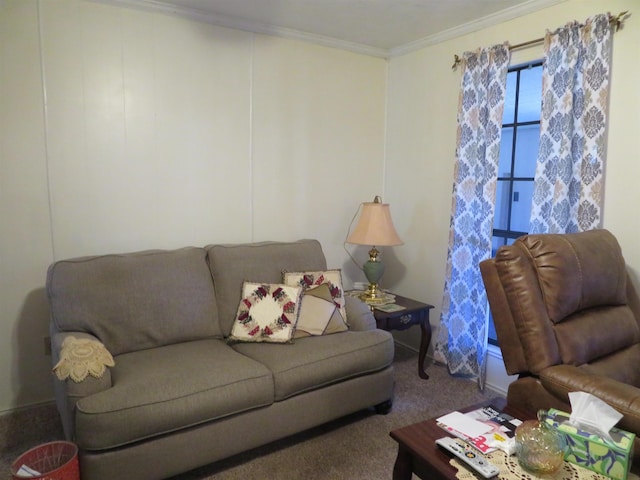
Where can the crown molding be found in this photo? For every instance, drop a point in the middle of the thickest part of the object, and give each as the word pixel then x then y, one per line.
pixel 479 24
pixel 267 29
pixel 246 25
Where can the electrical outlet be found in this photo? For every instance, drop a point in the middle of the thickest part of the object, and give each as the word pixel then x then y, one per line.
pixel 47 346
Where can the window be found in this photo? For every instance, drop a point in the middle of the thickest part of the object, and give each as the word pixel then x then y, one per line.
pixel 518 153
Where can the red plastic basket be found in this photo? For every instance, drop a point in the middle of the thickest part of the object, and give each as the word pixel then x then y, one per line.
pixel 54 461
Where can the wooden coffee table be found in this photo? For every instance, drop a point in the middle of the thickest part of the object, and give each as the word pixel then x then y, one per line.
pixel 419 454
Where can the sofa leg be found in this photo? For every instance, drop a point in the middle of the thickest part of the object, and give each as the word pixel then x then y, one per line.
pixel 384 407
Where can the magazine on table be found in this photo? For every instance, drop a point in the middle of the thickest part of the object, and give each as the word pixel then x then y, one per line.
pixel 487 428
pixel 389 307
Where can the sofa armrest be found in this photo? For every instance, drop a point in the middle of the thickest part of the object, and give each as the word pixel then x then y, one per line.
pixel 359 314
pixel 68 392
pixel 625 398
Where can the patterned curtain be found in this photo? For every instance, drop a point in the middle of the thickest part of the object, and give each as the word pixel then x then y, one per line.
pixel 568 187
pixel 462 338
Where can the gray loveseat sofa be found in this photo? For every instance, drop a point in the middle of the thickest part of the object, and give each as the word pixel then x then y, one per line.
pixel 179 395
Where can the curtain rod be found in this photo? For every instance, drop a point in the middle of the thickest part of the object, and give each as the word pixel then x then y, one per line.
pixel 616 22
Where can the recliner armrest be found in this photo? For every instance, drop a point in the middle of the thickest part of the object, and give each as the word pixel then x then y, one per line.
pixel 562 379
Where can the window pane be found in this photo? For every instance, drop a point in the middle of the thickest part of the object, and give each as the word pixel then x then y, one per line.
pixel 527 141
pixel 509 113
pixel 502 205
pixel 521 206
pixel 491 331
pixel 517 162
pixel 530 98
pixel 506 149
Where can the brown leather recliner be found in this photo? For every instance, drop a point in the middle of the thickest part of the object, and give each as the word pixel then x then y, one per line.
pixel 567 318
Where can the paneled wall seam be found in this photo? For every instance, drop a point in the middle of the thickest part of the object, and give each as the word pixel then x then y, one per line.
pixel 123 79
pixel 386 130
pixel 45 119
pixel 251 156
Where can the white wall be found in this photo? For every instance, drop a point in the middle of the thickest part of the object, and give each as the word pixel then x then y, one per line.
pixel 25 224
pixel 421 138
pixel 149 129
pixel 318 134
pixel 123 130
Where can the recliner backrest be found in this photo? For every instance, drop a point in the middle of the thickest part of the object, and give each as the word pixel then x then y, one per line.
pixel 560 299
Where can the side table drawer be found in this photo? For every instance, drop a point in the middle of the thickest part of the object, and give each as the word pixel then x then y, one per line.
pixel 401 322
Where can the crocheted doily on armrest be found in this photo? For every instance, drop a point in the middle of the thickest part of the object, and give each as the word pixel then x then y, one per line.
pixel 80 357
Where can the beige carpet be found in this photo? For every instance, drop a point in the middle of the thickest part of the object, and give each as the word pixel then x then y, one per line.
pixel 356 447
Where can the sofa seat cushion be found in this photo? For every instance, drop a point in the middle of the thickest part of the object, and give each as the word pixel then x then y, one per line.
pixel 314 362
pixel 168 388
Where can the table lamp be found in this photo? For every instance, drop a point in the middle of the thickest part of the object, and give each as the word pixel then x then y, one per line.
pixel 374 228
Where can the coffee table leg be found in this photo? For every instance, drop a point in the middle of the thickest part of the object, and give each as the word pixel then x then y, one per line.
pixel 403 468
pixel 425 340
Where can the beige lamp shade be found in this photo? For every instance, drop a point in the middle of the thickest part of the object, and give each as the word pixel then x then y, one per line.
pixel 375 226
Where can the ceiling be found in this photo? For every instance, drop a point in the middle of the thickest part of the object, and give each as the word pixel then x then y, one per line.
pixel 379 27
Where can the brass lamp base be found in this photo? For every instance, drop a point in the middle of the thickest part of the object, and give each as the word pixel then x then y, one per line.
pixel 378 298
pixel 372 293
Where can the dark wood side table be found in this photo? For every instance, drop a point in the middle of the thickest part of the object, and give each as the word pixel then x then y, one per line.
pixel 414 313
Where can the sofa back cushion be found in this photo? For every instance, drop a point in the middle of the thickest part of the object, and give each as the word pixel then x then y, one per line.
pixel 135 301
pixel 262 262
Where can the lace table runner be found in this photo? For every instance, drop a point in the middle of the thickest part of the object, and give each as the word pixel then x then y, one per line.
pixel 511 470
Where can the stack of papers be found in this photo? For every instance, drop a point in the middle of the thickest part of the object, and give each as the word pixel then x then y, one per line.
pixel 487 429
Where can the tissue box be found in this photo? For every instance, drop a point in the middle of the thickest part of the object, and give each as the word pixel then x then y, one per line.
pixel 592 451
